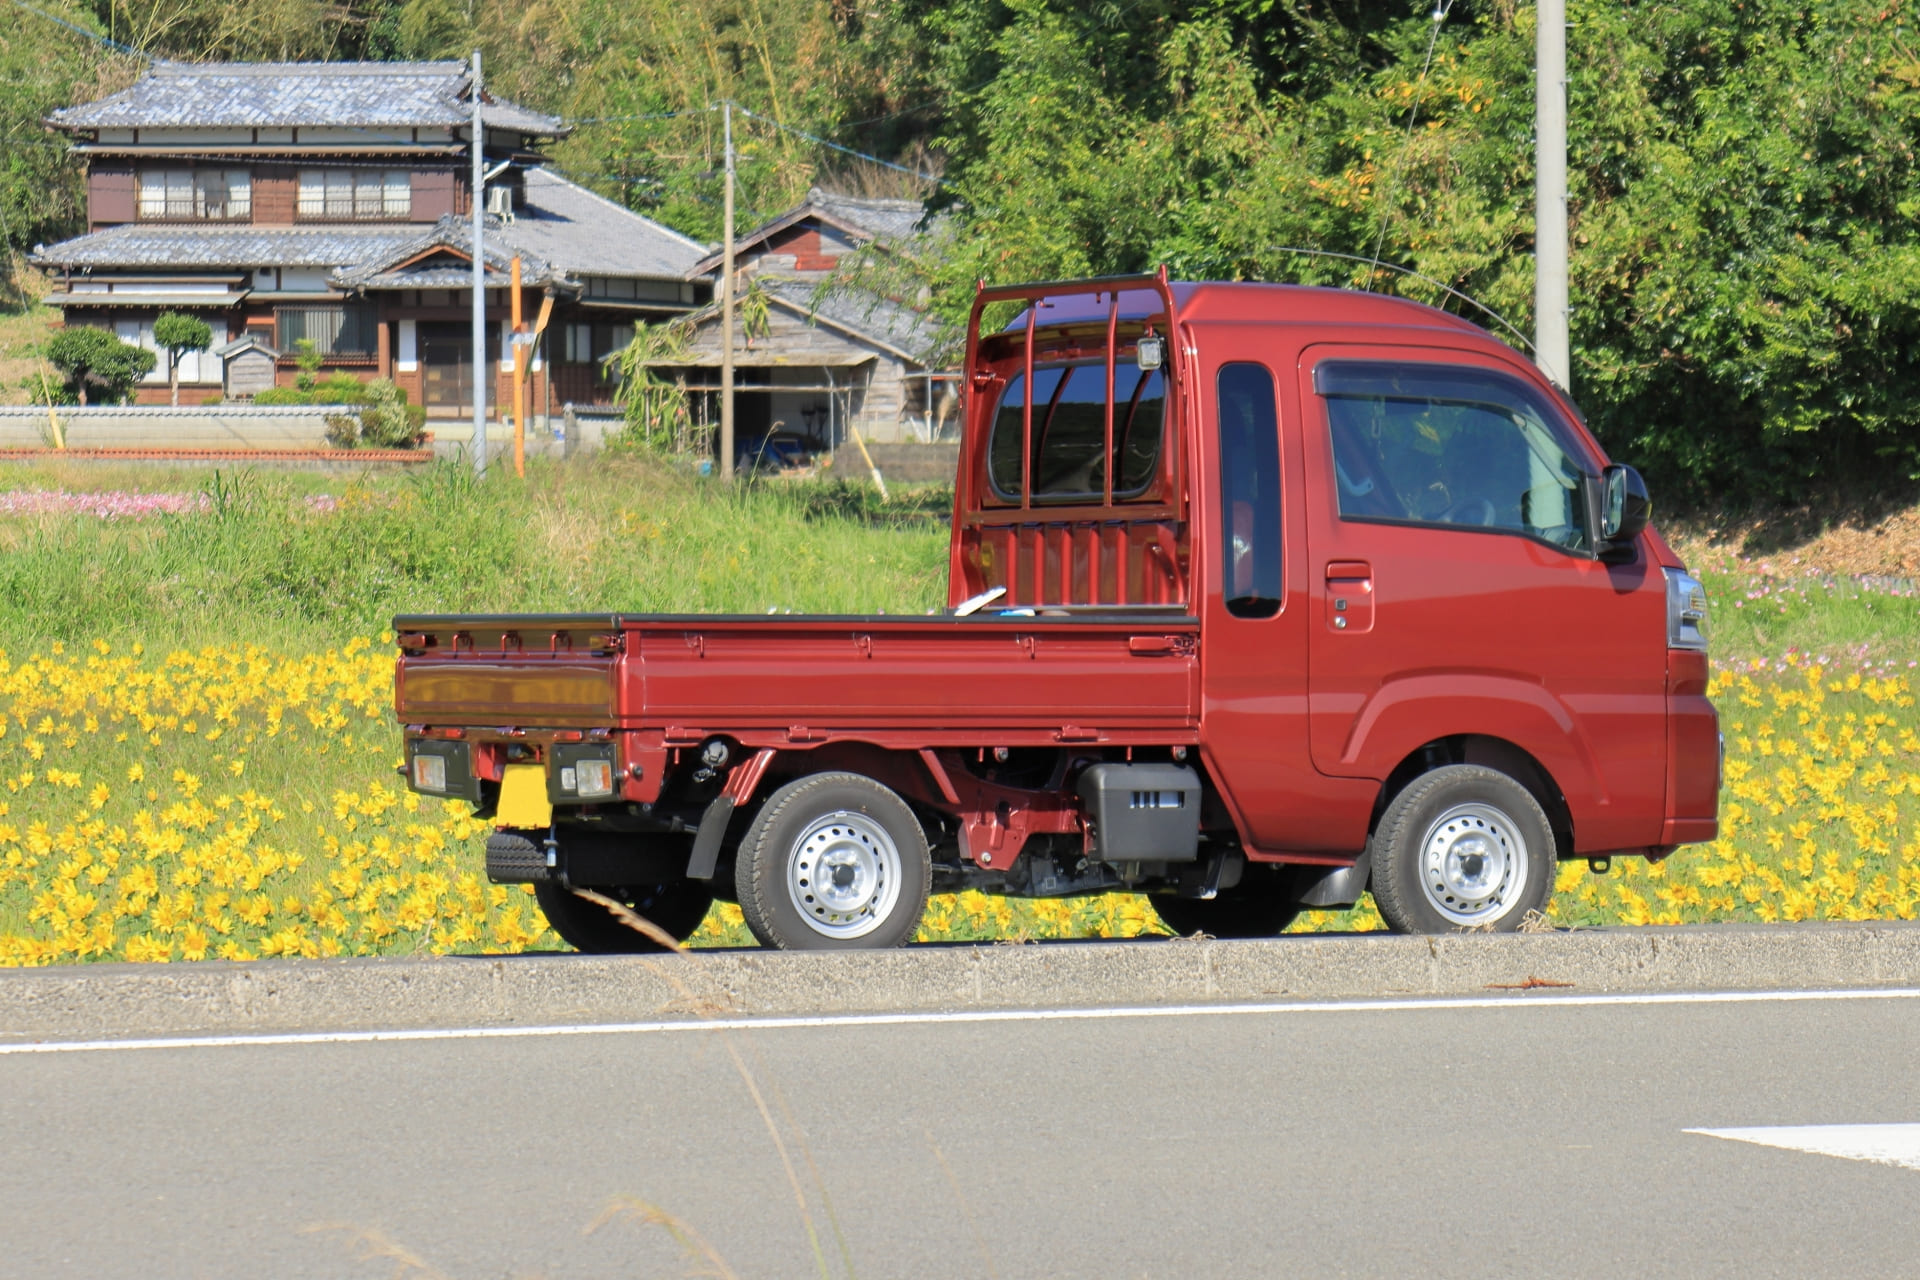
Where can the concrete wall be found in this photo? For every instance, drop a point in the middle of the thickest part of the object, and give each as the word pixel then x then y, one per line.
pixel 234 427
pixel 900 463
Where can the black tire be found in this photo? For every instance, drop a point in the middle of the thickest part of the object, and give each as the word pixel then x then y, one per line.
pixel 848 827
pixel 1462 847
pixel 677 907
pixel 1260 913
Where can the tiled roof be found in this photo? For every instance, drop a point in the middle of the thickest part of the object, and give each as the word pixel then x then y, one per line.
pixel 138 245
pixel 586 234
pixel 300 95
pixel 882 221
pixel 561 231
pixel 910 332
pixel 413 264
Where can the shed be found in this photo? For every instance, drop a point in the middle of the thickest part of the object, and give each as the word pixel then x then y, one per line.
pixel 247 365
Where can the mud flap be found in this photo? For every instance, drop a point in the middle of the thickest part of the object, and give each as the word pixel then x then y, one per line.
pixel 523 798
pixel 706 845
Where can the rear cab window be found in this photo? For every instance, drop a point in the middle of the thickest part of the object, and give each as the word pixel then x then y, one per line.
pixel 1453 446
pixel 1068 454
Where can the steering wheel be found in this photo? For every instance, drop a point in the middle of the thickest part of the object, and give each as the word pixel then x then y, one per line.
pixel 1477 511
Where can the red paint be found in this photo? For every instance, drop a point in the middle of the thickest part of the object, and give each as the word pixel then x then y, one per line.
pixel 1386 642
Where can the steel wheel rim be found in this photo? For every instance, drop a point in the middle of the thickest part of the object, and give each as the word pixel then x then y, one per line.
pixel 844 874
pixel 1473 864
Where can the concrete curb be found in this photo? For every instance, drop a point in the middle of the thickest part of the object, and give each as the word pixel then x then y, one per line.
pixel 121 1000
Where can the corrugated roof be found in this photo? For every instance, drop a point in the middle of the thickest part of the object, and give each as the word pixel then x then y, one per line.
pixel 300 95
pixel 152 245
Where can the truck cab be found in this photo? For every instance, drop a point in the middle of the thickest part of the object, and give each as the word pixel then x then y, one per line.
pixel 1261 597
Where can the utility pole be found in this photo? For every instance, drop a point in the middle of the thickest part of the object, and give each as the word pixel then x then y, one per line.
pixel 482 366
pixel 726 309
pixel 1552 348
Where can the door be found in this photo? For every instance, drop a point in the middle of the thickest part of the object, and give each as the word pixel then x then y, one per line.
pixel 1454 591
pixel 446 365
pixel 1254 612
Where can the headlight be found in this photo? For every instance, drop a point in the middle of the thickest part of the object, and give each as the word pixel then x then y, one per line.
pixel 1686 611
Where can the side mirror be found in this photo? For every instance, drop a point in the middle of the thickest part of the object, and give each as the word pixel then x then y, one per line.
pixel 1624 507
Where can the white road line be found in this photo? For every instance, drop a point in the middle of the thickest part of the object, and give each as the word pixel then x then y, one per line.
pixel 958 1016
pixel 1895 1144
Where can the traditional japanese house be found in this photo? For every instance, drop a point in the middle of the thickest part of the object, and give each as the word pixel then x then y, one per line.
pixel 331 203
pixel 829 358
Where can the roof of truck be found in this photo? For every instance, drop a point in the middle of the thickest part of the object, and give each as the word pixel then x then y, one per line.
pixel 1257 303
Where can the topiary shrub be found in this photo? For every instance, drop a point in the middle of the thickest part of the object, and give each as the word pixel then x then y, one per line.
pixel 86 356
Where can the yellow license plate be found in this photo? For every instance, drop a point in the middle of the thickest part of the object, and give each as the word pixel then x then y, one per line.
pixel 523 798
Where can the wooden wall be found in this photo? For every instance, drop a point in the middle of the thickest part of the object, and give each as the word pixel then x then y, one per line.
pixel 111 197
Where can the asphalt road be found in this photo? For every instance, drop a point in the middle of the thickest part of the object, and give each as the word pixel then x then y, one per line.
pixel 1461 1140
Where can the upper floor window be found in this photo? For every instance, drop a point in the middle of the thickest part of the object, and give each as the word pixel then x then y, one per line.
pixel 1452 445
pixel 216 195
pixel 355 194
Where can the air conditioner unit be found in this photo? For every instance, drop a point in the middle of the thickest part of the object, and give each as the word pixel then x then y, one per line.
pixel 500 202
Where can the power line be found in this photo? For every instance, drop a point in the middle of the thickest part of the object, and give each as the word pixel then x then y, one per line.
pixel 817 140
pixel 91 35
pixel 657 115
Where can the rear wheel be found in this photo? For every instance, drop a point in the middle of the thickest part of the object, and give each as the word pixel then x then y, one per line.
pixel 833 862
pixel 677 907
pixel 1462 847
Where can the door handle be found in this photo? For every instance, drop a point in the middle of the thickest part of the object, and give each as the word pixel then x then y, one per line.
pixel 1159 646
pixel 1349 602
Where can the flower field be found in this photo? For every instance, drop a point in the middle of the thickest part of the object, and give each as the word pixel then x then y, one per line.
pixel 234 803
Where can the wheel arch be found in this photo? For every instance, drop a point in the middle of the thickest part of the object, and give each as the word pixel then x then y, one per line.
pixel 1490 752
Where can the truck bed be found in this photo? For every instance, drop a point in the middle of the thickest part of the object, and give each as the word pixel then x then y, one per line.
pixel 1083 675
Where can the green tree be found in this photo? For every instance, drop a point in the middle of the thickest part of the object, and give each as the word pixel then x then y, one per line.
pixel 178 334
pixel 85 355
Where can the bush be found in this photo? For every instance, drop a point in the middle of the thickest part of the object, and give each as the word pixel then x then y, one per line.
pixel 85 355
pixel 386 420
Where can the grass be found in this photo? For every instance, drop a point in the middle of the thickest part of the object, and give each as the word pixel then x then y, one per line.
pixel 196 746
pixel 300 562
pixel 24 327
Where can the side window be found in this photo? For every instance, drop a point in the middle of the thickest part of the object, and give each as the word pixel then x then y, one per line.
pixel 1249 491
pixel 1438 444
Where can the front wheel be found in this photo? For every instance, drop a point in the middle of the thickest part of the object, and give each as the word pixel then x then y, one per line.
pixel 1462 847
pixel 677 906
pixel 834 861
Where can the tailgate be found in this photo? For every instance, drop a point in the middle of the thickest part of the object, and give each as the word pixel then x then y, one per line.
pixel 523 670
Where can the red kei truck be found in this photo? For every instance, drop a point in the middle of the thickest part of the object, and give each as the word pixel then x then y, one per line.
pixel 1261 597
